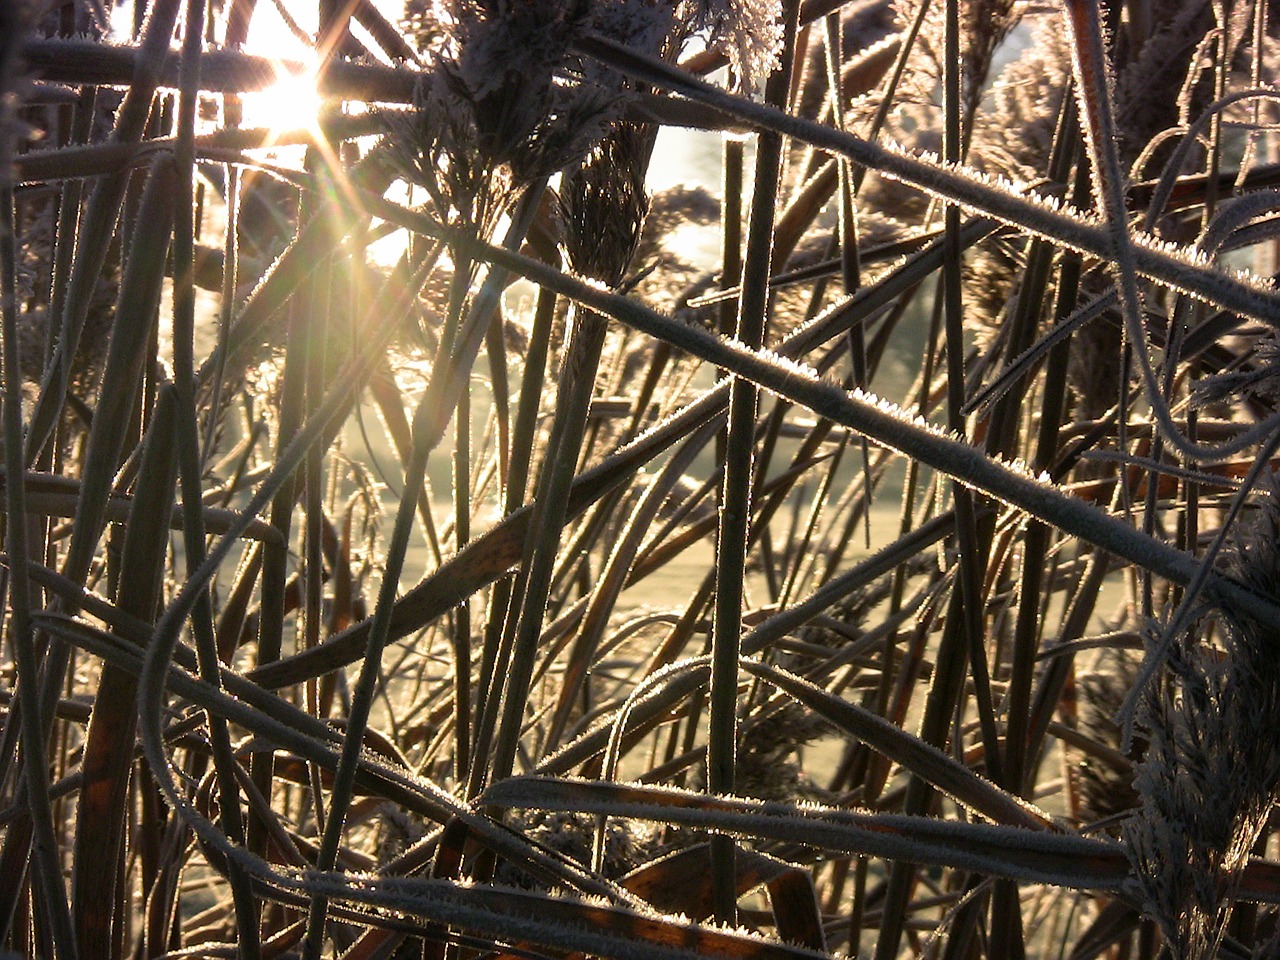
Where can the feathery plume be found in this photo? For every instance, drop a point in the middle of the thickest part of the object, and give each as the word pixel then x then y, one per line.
pixel 1212 771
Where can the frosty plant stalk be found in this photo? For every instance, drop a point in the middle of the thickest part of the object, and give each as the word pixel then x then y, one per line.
pixel 518 466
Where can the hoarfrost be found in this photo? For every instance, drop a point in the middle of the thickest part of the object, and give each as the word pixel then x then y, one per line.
pixel 748 32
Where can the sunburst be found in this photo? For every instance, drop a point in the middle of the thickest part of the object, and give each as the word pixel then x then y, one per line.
pixel 291 104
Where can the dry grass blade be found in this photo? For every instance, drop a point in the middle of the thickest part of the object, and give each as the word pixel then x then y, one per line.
pixel 557 922
pixel 98 226
pixel 920 758
pixel 225 71
pixel 102 814
pixel 136 313
pixel 1035 856
pixel 39 830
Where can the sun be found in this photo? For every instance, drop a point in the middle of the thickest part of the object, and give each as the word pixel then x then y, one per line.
pixel 291 103
pixel 290 110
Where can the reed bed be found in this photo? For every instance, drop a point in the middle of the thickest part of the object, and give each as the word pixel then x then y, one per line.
pixel 903 583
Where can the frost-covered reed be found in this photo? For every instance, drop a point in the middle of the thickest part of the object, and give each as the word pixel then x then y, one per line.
pixel 425 547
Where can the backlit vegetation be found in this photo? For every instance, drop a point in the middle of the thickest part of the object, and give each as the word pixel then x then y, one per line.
pixel 423 551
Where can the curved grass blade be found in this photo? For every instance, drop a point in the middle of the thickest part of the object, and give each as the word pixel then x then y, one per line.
pixel 136 312
pixel 514 916
pixel 645 708
pixel 314 740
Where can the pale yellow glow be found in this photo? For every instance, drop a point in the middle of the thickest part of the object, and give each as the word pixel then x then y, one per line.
pixel 291 103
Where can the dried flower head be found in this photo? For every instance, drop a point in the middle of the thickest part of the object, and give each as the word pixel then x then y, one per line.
pixel 1104 789
pixel 671 209
pixel 604 204
pixel 504 95
pixel 1013 136
pixel 432 146
pixel 1143 105
pixel 748 32
pixel 36 244
pixel 1260 379
pixel 397 832
pixel 669 269
pixel 768 766
pixel 984 24
pixel 1212 771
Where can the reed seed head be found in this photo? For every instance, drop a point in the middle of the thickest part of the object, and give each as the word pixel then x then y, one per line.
pixel 749 32
pixel 1212 770
pixel 604 204
pixel 505 93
